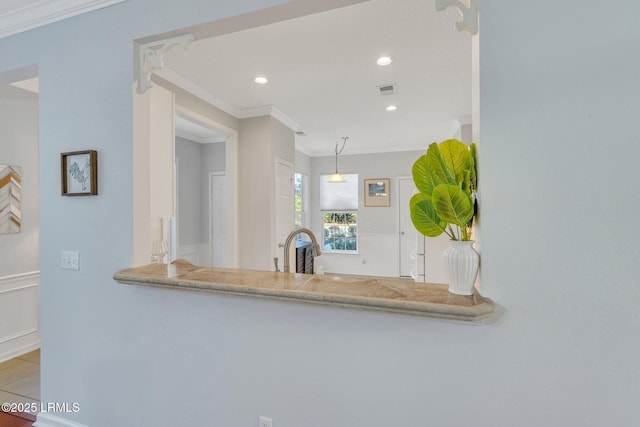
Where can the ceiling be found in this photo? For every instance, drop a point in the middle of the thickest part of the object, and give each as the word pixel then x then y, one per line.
pixel 323 79
pixel 323 76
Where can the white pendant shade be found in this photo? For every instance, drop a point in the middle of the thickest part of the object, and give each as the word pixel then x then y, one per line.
pixel 336 178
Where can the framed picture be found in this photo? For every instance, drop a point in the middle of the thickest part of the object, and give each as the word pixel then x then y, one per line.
pixel 80 173
pixel 376 192
pixel 10 198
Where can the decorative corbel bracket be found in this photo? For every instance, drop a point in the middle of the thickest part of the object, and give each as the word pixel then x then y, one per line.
pixel 151 57
pixel 469 14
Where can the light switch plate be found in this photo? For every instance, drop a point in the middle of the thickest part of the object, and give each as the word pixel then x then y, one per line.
pixel 69 260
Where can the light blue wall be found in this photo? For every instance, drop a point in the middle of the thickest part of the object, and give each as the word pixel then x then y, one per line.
pixel 559 248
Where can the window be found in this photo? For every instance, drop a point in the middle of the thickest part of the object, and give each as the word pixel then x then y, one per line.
pixel 339 206
pixel 299 182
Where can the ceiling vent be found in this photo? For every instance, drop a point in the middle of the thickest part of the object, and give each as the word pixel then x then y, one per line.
pixel 301 133
pixel 388 89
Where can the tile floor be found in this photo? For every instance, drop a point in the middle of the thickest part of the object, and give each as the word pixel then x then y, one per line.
pixel 20 379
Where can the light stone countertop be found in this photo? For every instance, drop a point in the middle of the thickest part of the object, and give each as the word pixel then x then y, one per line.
pixel 369 293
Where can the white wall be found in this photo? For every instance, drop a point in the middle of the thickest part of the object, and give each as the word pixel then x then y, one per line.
pixel 558 165
pixel 19 147
pixel 261 140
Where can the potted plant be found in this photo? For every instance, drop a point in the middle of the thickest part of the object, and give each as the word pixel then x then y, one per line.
pixel 446 178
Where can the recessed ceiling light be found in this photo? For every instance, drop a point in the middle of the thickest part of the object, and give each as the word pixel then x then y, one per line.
pixel 384 60
pixel 392 108
pixel 261 80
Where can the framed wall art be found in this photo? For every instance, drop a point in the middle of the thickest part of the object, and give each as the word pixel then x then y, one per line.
pixel 376 192
pixel 79 173
pixel 10 198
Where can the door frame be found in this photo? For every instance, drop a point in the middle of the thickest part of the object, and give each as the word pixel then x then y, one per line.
pixel 210 219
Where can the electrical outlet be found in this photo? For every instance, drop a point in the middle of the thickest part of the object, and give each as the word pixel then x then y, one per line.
pixel 265 422
pixel 69 260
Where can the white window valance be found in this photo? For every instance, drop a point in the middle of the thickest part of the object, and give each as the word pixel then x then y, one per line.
pixel 339 196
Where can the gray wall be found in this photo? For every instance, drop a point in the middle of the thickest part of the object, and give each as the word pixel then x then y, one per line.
pixel 559 251
pixel 19 147
pixel 190 201
pixel 212 159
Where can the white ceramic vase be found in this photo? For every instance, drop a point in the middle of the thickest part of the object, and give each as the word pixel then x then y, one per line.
pixel 461 261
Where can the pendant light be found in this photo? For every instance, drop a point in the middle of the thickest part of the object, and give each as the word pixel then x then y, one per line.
pixel 336 178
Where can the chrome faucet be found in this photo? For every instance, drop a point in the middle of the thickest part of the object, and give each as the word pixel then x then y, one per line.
pixel 315 247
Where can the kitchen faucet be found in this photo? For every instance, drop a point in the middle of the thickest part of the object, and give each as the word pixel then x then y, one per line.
pixel 315 247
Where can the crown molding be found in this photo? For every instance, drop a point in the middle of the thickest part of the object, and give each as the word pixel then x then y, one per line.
pixel 270 110
pixel 46 12
pixel 188 86
pixel 244 113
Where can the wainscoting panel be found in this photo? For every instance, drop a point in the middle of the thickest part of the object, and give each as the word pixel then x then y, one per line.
pixel 19 314
pixel 377 256
pixel 197 254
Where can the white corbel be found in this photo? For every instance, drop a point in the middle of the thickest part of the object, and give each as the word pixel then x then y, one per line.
pixel 469 14
pixel 151 57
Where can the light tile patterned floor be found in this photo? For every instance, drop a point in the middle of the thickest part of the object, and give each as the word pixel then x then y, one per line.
pixel 20 379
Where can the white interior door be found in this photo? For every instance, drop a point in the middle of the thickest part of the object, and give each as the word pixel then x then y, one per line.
pixel 218 219
pixel 408 233
pixel 284 208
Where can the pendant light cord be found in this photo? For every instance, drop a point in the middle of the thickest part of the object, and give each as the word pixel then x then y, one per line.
pixel 344 142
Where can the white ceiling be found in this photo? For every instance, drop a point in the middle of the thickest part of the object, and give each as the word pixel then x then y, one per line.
pixel 323 79
pixel 323 76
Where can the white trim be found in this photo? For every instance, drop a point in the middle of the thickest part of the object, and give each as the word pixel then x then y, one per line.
pixel 210 234
pixel 182 133
pixel 18 335
pixel 187 85
pixel 45 419
pixel 151 57
pixel 47 12
pixel 21 279
pixel 469 13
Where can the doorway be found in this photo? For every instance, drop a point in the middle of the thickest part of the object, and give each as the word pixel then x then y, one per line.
pixel 19 236
pixel 205 190
pixel 408 235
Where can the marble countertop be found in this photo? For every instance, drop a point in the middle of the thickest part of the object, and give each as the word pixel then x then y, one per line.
pixel 369 293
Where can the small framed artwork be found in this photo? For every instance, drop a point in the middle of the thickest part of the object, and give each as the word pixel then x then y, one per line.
pixel 10 198
pixel 376 192
pixel 80 173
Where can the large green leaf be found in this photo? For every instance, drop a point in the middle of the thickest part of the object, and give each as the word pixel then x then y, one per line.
pixel 452 204
pixel 457 157
pixel 424 217
pixel 421 176
pixel 440 172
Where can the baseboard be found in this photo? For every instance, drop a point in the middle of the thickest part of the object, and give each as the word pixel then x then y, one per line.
pixel 45 419
pixel 19 314
pixel 19 351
